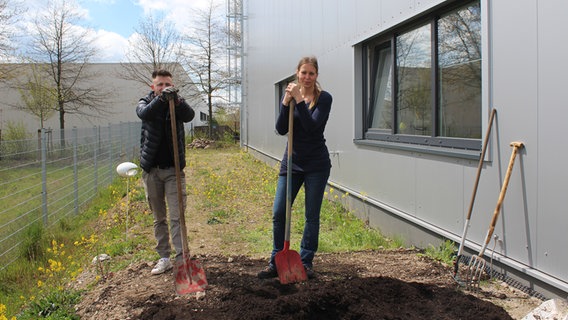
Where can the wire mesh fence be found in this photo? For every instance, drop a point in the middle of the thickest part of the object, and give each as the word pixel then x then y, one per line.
pixel 51 177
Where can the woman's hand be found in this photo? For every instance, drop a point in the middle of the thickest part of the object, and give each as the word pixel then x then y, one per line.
pixel 286 99
pixel 292 92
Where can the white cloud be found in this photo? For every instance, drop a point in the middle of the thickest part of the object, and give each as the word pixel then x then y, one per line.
pixel 180 12
pixel 112 46
pixel 173 6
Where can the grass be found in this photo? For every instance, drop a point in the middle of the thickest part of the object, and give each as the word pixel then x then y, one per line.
pixel 445 252
pixel 239 190
pixel 51 258
pixel 228 189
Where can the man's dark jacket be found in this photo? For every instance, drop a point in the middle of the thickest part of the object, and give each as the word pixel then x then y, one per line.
pixel 156 129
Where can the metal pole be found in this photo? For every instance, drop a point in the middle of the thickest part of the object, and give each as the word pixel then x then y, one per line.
pixel 95 151
pixel 75 172
pixel 44 175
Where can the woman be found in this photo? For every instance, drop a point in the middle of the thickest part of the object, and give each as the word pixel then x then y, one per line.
pixel 310 161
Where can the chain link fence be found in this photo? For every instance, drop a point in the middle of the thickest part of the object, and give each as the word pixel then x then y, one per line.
pixel 53 176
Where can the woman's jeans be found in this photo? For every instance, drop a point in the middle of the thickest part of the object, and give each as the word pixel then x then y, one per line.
pixel 314 186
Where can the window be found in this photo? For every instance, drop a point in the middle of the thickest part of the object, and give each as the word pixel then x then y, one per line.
pixel 422 83
pixel 203 116
pixel 280 89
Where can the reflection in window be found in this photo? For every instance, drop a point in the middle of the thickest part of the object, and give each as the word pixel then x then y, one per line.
pixel 424 82
pixel 414 66
pixel 459 60
pixel 381 110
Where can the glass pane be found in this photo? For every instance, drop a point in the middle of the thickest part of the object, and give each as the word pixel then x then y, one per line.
pixel 459 54
pixel 414 95
pixel 380 112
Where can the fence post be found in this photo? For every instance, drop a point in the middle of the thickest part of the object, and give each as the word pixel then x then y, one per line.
pixel 121 141
pixel 39 134
pixel 96 149
pixel 129 140
pixel 75 172
pixel 44 175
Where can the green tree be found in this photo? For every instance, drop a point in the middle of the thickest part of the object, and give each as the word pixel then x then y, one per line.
pixel 39 99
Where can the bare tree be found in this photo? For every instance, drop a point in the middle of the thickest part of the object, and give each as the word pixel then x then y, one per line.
pixel 39 99
pixel 157 45
pixel 206 55
pixel 67 49
pixel 8 19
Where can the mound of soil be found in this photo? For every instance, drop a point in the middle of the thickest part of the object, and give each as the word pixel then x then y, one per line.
pixel 356 285
pixel 400 284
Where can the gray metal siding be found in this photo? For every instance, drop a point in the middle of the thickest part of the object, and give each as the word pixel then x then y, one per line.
pixel 549 240
pixel 524 79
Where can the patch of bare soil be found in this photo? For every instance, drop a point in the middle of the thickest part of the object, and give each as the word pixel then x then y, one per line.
pixel 398 284
pixel 357 285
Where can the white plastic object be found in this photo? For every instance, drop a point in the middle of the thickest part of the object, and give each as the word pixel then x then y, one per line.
pixel 127 169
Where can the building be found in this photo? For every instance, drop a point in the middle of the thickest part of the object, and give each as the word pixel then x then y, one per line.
pixel 121 98
pixel 413 85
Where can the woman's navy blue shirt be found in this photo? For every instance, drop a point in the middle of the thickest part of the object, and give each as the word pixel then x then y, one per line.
pixel 310 154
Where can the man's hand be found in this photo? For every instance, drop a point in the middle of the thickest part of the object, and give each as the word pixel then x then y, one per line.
pixel 169 93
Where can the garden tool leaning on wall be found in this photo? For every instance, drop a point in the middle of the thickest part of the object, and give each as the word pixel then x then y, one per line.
pixel 477 264
pixel 474 192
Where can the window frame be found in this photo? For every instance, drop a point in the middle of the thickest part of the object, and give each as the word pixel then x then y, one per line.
pixel 365 135
pixel 279 90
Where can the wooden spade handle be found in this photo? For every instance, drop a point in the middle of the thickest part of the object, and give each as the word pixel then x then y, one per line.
pixel 516 146
pixel 289 173
pixel 178 179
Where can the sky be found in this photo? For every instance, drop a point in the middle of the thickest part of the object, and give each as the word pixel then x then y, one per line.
pixel 115 21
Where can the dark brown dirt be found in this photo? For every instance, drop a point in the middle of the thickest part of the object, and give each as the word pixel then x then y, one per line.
pixel 360 285
pixel 400 284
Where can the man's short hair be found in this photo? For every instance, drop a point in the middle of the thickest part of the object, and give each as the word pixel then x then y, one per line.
pixel 161 73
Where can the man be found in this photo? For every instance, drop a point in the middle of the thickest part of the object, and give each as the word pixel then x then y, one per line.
pixel 157 161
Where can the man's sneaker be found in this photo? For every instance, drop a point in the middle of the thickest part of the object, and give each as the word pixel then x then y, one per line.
pixel 310 272
pixel 268 273
pixel 162 266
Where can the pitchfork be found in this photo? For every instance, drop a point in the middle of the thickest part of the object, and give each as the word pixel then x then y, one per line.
pixel 477 264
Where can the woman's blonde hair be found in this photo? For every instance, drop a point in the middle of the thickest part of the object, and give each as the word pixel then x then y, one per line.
pixel 314 62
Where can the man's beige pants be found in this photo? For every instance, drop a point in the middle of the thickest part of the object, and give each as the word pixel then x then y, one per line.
pixel 160 186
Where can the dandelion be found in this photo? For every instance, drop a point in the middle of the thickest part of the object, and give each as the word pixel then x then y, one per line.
pixel 39 283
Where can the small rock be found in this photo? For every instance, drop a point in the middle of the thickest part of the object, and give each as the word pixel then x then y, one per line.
pixel 200 295
pixel 101 257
